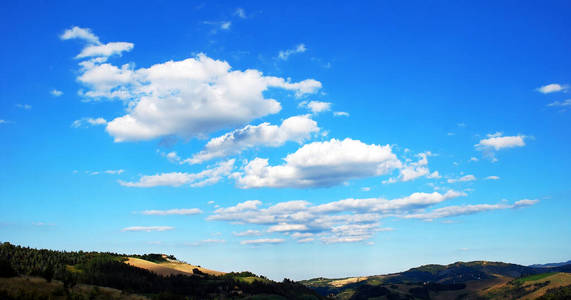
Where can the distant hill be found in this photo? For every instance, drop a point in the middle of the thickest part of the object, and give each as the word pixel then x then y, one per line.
pixel 460 280
pixel 27 273
pixel 551 265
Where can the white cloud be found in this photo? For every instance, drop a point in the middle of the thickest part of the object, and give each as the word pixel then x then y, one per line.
pixel 474 159
pixel 114 172
pixel 4 121
pixel 552 88
pixel 86 122
pixel 452 211
pixel 340 114
pixel 148 228
pixel 284 227
pixel 176 211
pixel 286 53
pixel 111 172
pixel 94 47
pixel 248 232
pixel 209 176
pixel 187 98
pixel 525 202
pixel 365 189
pixel 24 106
pixel 241 13
pixel 497 141
pixel 493 177
pixel 80 33
pixel 298 129
pixel 316 106
pixel 320 164
pixel 560 103
pixel 414 170
pixel 262 241
pixel 338 221
pixel 225 25
pixel 464 178
pixel 56 93
pixel 106 50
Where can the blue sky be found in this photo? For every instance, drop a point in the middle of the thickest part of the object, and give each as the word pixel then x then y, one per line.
pixel 292 140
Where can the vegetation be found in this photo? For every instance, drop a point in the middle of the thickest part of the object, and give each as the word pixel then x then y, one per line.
pixel 560 293
pixel 109 270
pixel 535 277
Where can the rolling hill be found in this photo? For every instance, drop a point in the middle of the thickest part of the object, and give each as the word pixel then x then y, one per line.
pixel 460 280
pixel 27 273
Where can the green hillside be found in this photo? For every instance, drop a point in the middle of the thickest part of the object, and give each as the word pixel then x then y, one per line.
pixel 45 274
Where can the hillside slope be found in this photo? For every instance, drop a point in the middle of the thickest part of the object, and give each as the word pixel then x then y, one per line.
pixel 460 280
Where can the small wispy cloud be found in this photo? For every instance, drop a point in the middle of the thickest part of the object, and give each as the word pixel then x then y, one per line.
pixel 284 54
pixel 87 122
pixel 340 114
pixel 24 106
pixel 465 178
pixel 262 241
pixel 315 106
pixel 552 88
pixel 493 177
pixel 248 232
pixel 564 103
pixel 219 25
pixel 176 211
pixel 148 228
pixel 56 93
pixel 241 13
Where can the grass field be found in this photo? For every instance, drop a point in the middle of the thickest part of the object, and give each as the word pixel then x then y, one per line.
pixel 169 268
pixel 535 277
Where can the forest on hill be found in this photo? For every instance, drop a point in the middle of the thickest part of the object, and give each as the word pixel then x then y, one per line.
pixel 109 270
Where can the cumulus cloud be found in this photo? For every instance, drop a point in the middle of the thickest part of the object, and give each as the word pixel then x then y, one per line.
pixel 348 220
pixel 552 88
pixel 86 122
pixel 316 106
pixel 56 93
pixel 262 241
pixel 297 128
pixel 320 164
pixel 283 55
pixel 207 177
pixel 452 211
pixel 148 228
pixel 464 178
pixel 496 141
pixel 187 98
pixel 176 211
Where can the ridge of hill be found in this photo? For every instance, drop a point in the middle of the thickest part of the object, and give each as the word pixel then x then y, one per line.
pixel 459 280
pixel 27 273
